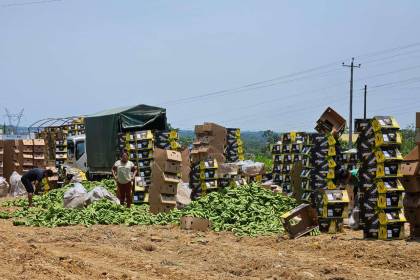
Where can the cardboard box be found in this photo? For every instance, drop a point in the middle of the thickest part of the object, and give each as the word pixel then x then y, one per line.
pixel 330 120
pixel 413 155
pixel 163 183
pixel 191 223
pixel 304 219
pixel 418 119
pixel 168 160
pixel 185 165
pixel 411 169
pixel 210 129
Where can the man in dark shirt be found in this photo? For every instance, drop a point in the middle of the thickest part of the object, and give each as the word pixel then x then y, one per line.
pixel 34 175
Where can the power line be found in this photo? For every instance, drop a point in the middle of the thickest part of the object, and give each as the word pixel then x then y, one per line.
pixel 28 3
pixel 251 85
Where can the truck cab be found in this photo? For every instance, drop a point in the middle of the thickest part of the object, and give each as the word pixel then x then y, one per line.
pixel 76 152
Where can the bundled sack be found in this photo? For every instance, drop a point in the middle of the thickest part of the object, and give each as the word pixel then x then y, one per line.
pixel 4 187
pixel 99 193
pixel 183 195
pixel 16 186
pixel 75 197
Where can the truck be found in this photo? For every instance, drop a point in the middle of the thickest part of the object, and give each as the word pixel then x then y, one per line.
pixel 96 151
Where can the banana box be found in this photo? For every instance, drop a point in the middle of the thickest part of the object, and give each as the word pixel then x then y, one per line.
pixel 380 123
pixel 331 226
pixel 391 199
pixel 335 204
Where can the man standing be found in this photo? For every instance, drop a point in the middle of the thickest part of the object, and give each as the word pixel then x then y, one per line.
pixel 124 171
pixel 34 176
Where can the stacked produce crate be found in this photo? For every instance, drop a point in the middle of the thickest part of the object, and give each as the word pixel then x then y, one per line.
pixel 330 201
pixel 39 153
pixel 27 152
pixel 228 175
pixel 166 176
pixel 167 140
pixel 140 147
pixel 307 167
pixel 12 157
pixel 206 155
pixel 411 183
pixel 381 209
pixel 60 149
pixel 77 127
pixel 234 150
pixel 286 153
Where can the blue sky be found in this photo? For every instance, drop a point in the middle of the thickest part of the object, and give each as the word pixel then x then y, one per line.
pixel 82 56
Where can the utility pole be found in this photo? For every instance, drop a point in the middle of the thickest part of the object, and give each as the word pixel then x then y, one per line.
pixel 364 107
pixel 351 99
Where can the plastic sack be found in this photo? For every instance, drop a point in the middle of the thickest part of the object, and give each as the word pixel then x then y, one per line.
pixel 99 193
pixel 4 187
pixel 183 195
pixel 16 186
pixel 75 197
pixel 251 168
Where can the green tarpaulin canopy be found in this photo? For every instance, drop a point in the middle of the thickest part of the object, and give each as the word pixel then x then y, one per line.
pixel 102 131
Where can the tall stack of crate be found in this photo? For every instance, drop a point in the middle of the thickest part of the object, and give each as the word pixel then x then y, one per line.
pixel 12 157
pixel 77 127
pixel 330 201
pixel 234 150
pixel 307 167
pixel 411 183
pixel 27 152
pixel 286 153
pixel 167 139
pixel 381 210
pixel 2 158
pixel 203 178
pixel 166 175
pixel 60 149
pixel 206 155
pixel 39 153
pixel 140 147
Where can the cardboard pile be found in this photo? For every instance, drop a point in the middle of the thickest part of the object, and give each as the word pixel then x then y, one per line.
pixel 306 187
pixel 206 155
pixel 285 153
pixel 228 175
pixel 142 147
pixel 325 160
pixel 166 170
pixel 411 182
pixel 77 127
pixel 12 157
pixel 33 154
pixel 379 177
pixel 234 150
pixel 167 140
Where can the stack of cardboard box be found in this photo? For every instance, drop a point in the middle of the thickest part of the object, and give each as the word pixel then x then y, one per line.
pixel 286 153
pixel 379 178
pixel 229 175
pixel 206 155
pixel 306 171
pixel 12 157
pixel 39 153
pixel 411 182
pixel 1 158
pixel 234 150
pixel 77 127
pixel 166 175
pixel 167 140
pixel 330 201
pixel 27 152
pixel 140 148
pixel 60 149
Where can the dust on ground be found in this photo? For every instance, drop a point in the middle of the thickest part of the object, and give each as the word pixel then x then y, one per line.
pixel 166 252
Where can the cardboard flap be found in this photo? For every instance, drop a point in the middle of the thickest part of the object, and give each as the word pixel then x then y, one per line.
pixel 413 155
pixel 410 169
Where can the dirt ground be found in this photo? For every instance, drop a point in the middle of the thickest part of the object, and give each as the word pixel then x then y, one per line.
pixel 121 252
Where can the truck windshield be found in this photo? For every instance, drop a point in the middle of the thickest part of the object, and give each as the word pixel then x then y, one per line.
pixel 80 149
pixel 70 149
